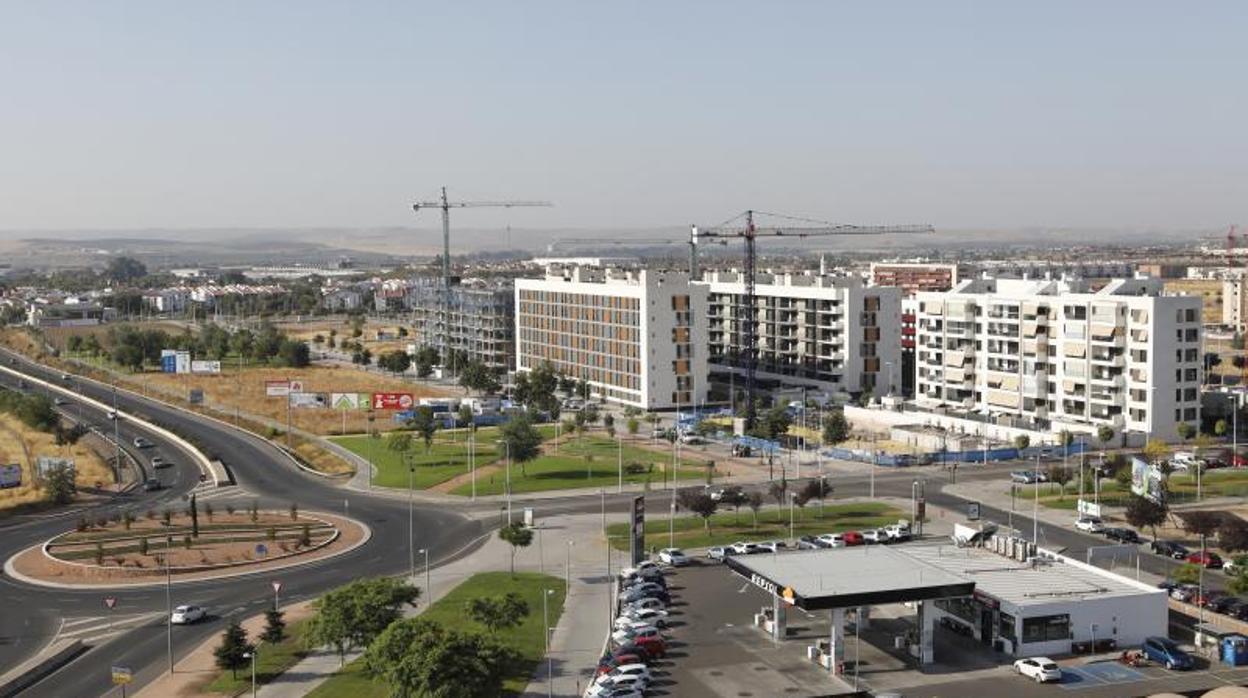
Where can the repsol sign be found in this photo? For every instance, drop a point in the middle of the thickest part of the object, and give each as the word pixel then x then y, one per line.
pixel 765 584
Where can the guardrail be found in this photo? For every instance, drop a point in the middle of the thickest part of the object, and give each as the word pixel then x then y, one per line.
pixel 39 666
pixel 220 476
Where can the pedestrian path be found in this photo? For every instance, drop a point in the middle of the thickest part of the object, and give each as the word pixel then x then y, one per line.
pixel 95 630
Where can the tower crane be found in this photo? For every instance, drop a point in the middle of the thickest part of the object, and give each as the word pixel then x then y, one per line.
pixel 693 249
pixel 445 205
pixel 743 227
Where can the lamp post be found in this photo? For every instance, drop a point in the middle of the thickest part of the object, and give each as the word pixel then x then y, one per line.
pixel 411 531
pixel 252 656
pixel 619 450
pixel 169 599
pixel 567 569
pixel 550 664
pixel 428 585
pixel 792 497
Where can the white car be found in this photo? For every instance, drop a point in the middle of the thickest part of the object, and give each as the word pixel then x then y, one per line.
pixel 634 681
pixel 1230 566
pixel 654 616
pixel 645 604
pixel 606 690
pixel 1090 524
pixel 674 557
pixel 771 546
pixel 185 615
pixel 1041 669
pixel 875 535
pixel 625 670
pixel 833 540
pixel 645 568
pixel 621 637
pixel 718 552
pixel 898 532
pixel 625 622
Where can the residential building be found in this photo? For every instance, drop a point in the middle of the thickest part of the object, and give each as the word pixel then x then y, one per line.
pixel 473 316
pixel 636 337
pixel 1235 302
pixel 1047 354
pixel 913 277
pixel 1208 290
pixel 819 330
pixel 909 317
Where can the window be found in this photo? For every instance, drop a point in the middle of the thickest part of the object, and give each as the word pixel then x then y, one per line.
pixel 1046 628
pixel 1005 627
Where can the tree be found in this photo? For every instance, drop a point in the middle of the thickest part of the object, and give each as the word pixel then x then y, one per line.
pixel 1104 434
pixel 1200 523
pixel 702 505
pixel 755 501
pixel 1156 450
pixel 1187 573
pixel 425 359
pixel 633 426
pixel 1220 428
pixel 1233 535
pixel 399 442
pixel 772 424
pixel 425 423
pixel 58 483
pixel 817 488
pixel 517 536
pixel 1062 475
pixel 1238 361
pixel 1237 341
pixel 293 353
pixel 497 612
pixel 1065 438
pixel 353 615
pixel 521 439
pixel 419 657
pixel 477 376
pixel 465 416
pixel 274 626
pixel 836 428
pixel 608 423
pixel 394 361
pixel 1022 441
pixel 232 652
pixel 123 269
pixel 1186 431
pixel 1142 512
pixel 778 491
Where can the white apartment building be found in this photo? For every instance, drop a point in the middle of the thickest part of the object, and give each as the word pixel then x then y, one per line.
pixel 635 336
pixel 819 330
pixel 1049 354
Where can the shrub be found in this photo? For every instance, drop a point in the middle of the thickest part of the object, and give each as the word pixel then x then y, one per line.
pixel 186 542
pixel 99 553
pixel 82 524
pixel 305 536
pixel 166 516
pixel 142 546
pixel 294 511
pixel 271 534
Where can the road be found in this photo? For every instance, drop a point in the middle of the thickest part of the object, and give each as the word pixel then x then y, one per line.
pixel 33 615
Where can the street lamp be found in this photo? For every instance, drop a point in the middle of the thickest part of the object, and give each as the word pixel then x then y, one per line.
pixel 411 532
pixel 252 656
pixel 567 570
pixel 550 664
pixel 428 586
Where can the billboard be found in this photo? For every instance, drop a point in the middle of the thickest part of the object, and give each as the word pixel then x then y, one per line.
pixel 1147 480
pixel 308 400
pixel 350 401
pixel 277 388
pixel 195 396
pixel 637 541
pixel 182 362
pixel 10 476
pixel 46 464
pixel 393 401
pixel 205 367
pixel 168 361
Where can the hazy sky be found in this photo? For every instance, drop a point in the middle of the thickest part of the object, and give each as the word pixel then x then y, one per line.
pixel 154 114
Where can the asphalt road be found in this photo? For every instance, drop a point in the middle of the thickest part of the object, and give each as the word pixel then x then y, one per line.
pixel 33 615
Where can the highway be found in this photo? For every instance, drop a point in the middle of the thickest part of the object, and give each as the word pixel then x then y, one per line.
pixel 34 615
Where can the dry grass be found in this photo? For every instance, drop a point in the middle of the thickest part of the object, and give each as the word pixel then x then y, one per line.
pixel 307 331
pixel 21 445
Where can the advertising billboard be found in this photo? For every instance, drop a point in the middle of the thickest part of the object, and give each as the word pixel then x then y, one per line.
pixel 46 464
pixel 205 367
pixel 308 400
pixel 168 361
pixel 1147 480
pixel 637 539
pixel 10 476
pixel 393 401
pixel 277 388
pixel 350 401
pixel 182 362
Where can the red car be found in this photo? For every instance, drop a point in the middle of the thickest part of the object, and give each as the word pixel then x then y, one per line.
pixel 1239 461
pixel 654 645
pixel 1209 560
pixel 853 538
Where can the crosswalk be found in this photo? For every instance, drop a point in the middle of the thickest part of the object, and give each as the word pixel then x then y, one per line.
pixel 206 492
pixel 95 630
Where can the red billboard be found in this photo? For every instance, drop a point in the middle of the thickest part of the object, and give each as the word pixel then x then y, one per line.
pixel 393 401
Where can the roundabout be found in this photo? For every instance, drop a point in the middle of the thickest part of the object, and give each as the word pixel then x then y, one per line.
pixel 171 548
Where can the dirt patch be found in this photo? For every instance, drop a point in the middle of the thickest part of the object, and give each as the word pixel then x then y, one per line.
pixel 21 445
pixel 186 562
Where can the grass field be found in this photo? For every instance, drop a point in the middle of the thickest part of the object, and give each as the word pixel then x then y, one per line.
pixel 773 524
pixel 1213 483
pixel 447 458
pixel 271 661
pixel 352 682
pixel 591 461
pixel 21 445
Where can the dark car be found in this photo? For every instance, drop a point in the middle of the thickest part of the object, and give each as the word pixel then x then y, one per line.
pixel 1224 604
pixel 646 594
pixel 1166 652
pixel 1123 535
pixel 151 485
pixel 1169 548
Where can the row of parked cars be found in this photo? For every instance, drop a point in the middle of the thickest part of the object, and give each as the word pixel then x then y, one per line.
pixel 896 533
pixel 637 639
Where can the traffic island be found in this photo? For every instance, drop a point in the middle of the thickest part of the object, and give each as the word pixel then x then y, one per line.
pixel 145 550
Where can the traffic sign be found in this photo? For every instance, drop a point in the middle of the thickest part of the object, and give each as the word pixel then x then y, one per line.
pixel 262 549
pixel 277 586
pixel 122 675
pixel 110 601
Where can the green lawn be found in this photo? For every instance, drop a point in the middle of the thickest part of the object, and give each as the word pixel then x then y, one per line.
pixel 351 681
pixel 447 458
pixel 271 660
pixel 590 461
pixel 1214 483
pixel 773 524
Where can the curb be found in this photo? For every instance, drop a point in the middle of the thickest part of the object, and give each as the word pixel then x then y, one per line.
pixel 35 669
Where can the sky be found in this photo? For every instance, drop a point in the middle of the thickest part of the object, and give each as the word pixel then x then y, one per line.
pixel 122 115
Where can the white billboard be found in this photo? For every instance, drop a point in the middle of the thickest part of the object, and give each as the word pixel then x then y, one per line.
pixel 305 400
pixel 182 362
pixel 205 367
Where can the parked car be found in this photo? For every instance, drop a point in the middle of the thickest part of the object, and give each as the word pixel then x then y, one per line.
pixel 1233 566
pixel 853 538
pixel 1041 669
pixel 743 548
pixel 1183 592
pixel 630 623
pixel 719 552
pixel 646 603
pixel 810 543
pixel 1239 461
pixel 1224 603
pixel 646 587
pixel 1169 548
pixel 1166 652
pixel 655 646
pixel 637 682
pixel 692 439
pixel 1090 524
pixel 612 691
pixel 631 595
pixel 772 546
pixel 655 616
pixel 1024 477
pixel 643 568
pixel 833 540
pixel 185 615
pixel 1206 559
pixel 674 557
pixel 637 669
pixel 898 532
pixel 632 634
pixel 1123 535
pixel 140 442
pixel 874 536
